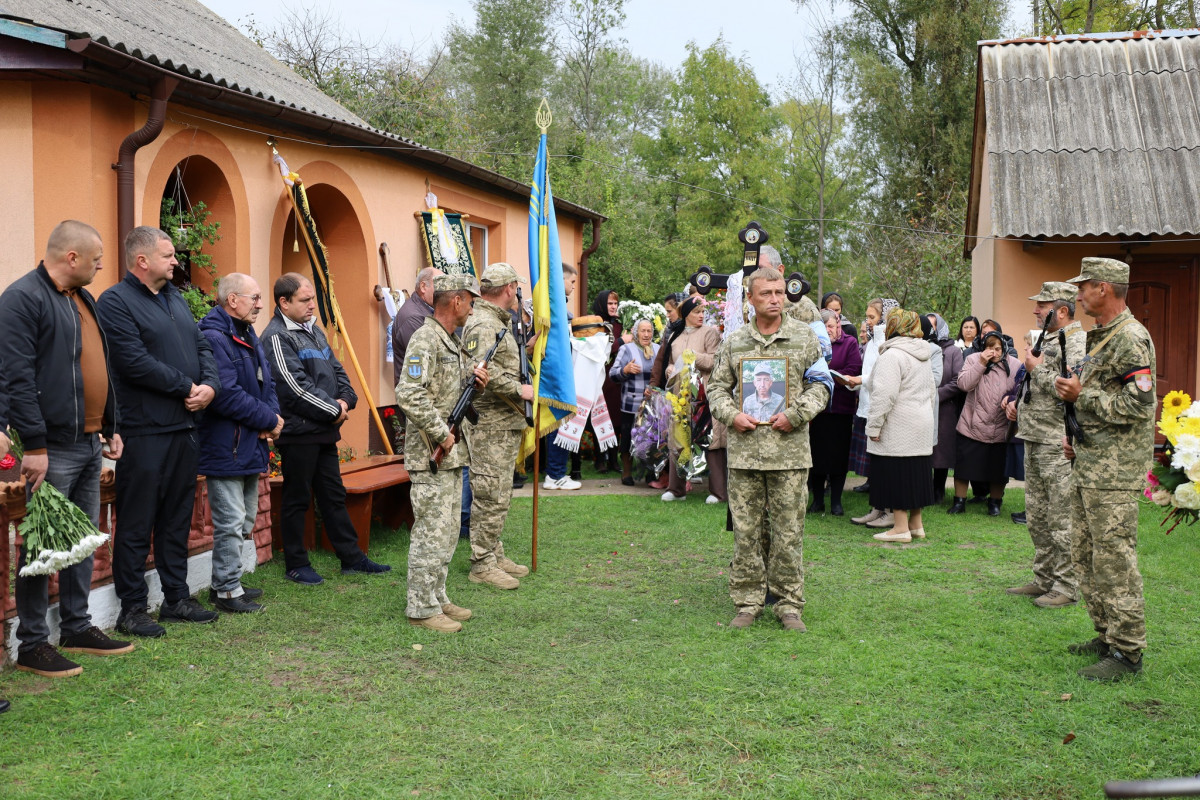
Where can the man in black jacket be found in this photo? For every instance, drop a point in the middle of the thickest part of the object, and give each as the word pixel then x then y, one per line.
pixel 55 379
pixel 164 373
pixel 315 397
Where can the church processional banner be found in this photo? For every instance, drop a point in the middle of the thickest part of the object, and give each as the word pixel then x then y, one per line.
pixel 446 243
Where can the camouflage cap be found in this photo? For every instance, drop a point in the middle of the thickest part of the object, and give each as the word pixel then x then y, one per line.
pixel 498 275
pixel 455 283
pixel 1107 270
pixel 763 369
pixel 1056 290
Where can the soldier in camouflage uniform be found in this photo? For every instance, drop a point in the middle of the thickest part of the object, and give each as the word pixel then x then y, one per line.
pixel 1114 396
pixel 1047 470
pixel 768 464
pixel 435 368
pixel 497 437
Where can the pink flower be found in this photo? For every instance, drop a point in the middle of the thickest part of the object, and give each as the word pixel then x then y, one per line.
pixel 8 462
pixel 1151 478
pixel 1148 492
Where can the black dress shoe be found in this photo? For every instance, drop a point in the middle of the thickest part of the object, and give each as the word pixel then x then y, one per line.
pixel 815 508
pixel 1018 518
pixel 576 475
pixel 862 488
pixel 4 705
pixel 836 510
pixel 958 506
pixel 627 481
pixel 993 507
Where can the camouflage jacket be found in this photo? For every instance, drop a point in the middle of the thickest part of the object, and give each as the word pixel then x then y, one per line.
pixel 803 310
pixel 435 369
pixel 1116 408
pixel 499 405
pixel 765 448
pixel 1041 419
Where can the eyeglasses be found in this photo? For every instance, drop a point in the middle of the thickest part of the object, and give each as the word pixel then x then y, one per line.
pixel 254 297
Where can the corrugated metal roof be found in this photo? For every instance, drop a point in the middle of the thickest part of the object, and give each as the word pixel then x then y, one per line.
pixel 1093 135
pixel 185 37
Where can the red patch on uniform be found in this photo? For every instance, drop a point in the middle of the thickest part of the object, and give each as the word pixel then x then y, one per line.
pixel 1144 382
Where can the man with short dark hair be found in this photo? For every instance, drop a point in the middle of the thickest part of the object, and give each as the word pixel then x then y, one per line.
pixel 1113 389
pixel 55 384
pixel 234 434
pixel 164 375
pixel 315 398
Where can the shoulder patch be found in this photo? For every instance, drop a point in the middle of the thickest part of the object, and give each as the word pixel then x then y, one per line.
pixel 472 344
pixel 1140 377
pixel 414 368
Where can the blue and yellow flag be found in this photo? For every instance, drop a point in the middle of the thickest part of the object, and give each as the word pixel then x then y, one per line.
pixel 554 374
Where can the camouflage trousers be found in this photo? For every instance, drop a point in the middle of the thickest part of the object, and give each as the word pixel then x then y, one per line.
pixel 437 505
pixel 771 501
pixel 1048 512
pixel 1104 546
pixel 493 456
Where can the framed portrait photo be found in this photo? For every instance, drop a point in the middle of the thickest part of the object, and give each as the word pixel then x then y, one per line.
pixel 764 387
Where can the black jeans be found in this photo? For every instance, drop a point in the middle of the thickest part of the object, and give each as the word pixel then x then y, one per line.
pixel 156 492
pixel 312 470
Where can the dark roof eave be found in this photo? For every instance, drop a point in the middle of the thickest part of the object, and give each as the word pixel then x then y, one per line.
pixel 318 124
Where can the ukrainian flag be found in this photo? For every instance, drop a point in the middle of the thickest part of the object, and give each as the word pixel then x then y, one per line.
pixel 554 375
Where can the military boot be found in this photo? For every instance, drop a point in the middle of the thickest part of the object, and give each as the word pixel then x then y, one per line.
pixel 1116 666
pixel 494 577
pixel 1094 647
pixel 456 613
pixel 512 567
pixel 438 622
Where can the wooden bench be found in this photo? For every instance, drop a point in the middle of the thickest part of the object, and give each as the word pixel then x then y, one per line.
pixel 377 487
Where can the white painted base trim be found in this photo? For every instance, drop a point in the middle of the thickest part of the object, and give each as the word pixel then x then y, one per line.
pixel 104 606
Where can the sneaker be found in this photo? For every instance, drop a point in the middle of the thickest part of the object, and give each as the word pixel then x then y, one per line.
pixel 494 577
pixel 893 536
pixel 870 516
pixel 512 567
pixel 438 622
pixel 44 660
pixel 744 619
pixel 712 500
pixel 1111 668
pixel 1030 590
pixel 139 623
pixel 456 613
pixel 1053 599
pixel 238 605
pixel 365 566
pixel 186 610
pixel 792 622
pixel 1095 647
pixel 94 642
pixel 305 576
pixel 670 497
pixel 564 484
pixel 885 520
pixel 248 593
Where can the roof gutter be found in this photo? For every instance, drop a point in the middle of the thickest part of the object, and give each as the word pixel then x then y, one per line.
pixel 163 87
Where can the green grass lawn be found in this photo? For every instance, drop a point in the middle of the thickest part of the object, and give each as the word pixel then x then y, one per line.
pixel 611 672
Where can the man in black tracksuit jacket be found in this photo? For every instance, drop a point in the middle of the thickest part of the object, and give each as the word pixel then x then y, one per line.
pixel 164 373
pixel 315 397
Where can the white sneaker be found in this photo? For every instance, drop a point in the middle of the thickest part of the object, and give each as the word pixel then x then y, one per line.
pixel 712 499
pixel 564 482
pixel 669 498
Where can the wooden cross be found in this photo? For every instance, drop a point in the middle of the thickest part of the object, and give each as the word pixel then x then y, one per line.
pixel 752 237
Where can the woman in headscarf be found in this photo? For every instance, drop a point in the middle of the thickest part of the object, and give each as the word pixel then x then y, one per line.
pixel 690 333
pixel 982 428
pixel 829 432
pixel 833 301
pixel 860 461
pixel 606 305
pixel 949 405
pixel 900 427
pixel 632 369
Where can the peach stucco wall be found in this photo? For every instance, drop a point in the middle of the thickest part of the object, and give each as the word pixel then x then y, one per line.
pixel 55 170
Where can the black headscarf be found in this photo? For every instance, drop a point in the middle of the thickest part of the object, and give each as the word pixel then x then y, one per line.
pixel 825 298
pixel 600 306
pixel 1003 362
pixel 928 333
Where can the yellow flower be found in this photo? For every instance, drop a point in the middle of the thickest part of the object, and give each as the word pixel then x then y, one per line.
pixel 1175 403
pixel 1188 425
pixel 1170 428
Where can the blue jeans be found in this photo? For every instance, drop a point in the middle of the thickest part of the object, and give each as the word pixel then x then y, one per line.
pixel 556 459
pixel 74 469
pixel 234 504
pixel 464 529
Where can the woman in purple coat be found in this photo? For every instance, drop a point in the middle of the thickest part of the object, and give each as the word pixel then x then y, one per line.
pixel 950 400
pixel 829 432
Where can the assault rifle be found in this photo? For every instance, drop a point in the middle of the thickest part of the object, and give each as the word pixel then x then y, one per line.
pixel 523 354
pixel 1037 351
pixel 464 408
pixel 1074 429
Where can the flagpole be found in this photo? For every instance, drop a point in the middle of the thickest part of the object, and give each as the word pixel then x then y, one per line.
pixel 543 120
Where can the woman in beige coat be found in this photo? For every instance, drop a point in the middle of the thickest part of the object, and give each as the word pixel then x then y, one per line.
pixel 900 430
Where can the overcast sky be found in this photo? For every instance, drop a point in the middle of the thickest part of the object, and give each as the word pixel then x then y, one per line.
pixel 767 32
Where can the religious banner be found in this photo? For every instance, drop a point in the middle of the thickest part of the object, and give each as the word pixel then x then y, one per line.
pixel 447 246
